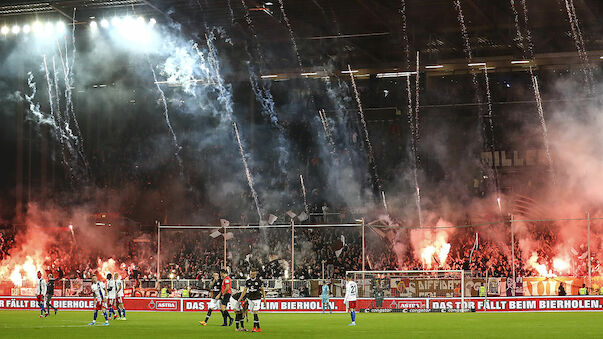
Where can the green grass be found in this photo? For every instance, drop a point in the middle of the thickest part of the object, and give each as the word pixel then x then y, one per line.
pixel 27 324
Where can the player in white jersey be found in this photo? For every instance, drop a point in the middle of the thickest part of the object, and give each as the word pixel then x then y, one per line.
pixel 40 293
pixel 100 299
pixel 351 294
pixel 119 285
pixel 111 294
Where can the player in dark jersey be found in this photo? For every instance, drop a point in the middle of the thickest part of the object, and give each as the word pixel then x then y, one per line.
pixel 214 304
pixel 225 292
pixel 254 292
pixel 50 294
pixel 240 306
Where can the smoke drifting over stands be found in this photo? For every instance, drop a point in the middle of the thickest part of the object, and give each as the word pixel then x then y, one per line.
pixel 144 117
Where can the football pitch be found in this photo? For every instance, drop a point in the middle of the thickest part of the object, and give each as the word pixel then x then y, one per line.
pixel 73 324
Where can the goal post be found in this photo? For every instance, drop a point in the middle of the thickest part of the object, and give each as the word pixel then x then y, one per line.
pixel 413 284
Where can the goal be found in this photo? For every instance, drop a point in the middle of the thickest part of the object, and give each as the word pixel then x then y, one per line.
pixel 403 291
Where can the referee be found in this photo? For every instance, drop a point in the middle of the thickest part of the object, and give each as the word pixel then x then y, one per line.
pixel 225 292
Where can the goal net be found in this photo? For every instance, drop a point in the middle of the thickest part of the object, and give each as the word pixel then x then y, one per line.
pixel 404 291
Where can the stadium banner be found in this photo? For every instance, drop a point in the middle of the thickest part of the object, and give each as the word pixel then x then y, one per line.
pixel 309 305
pixel 521 304
pixel 538 286
pixel 87 303
pixel 313 304
pixel 274 305
pixel 448 287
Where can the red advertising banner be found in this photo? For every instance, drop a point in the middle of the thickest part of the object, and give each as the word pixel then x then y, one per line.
pixel 308 305
pixel 274 305
pixel 87 303
pixel 522 304
pixel 312 304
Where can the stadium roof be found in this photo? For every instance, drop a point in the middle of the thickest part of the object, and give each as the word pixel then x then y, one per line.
pixel 368 31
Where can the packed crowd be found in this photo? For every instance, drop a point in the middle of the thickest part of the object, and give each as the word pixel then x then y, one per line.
pixel 319 252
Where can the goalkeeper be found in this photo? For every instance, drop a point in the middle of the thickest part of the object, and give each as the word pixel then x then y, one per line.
pixel 325 297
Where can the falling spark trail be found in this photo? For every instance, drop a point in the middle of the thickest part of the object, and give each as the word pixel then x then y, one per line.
pixel 384 202
pixel 327 128
pixel 476 87
pixel 579 41
pixel 231 12
pixel 247 172
pixel 413 118
pixel 303 187
pixel 225 97
pixel 167 121
pixel 466 44
pixel 66 135
pixel 405 35
pixel 56 123
pixel 264 96
pixel 56 92
pixel 464 34
pixel 489 104
pixel 69 93
pixel 35 107
pixel 517 29
pixel 291 35
pixel 527 47
pixel 65 67
pixel 413 143
pixel 491 124
pixel 365 131
pixel 417 103
pixel 528 36
pixel 77 138
pixel 545 135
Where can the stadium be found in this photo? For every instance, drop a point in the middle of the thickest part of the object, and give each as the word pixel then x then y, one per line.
pixel 289 168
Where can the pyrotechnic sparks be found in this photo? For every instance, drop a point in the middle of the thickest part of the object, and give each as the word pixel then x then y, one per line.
pixel 432 247
pixel 541 269
pixel 561 265
pixel 247 171
pixel 303 188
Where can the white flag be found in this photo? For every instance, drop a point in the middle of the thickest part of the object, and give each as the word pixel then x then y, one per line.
pixel 302 216
pixel 272 218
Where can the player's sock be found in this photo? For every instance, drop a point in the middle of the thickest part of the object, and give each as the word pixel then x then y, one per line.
pixel 256 321
pixel 105 314
pixel 353 315
pixel 123 311
pixel 241 318
pixel 237 320
pixel 208 315
pixel 42 310
pixel 111 311
pixel 119 312
pixel 224 315
pixel 95 315
pixel 323 307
